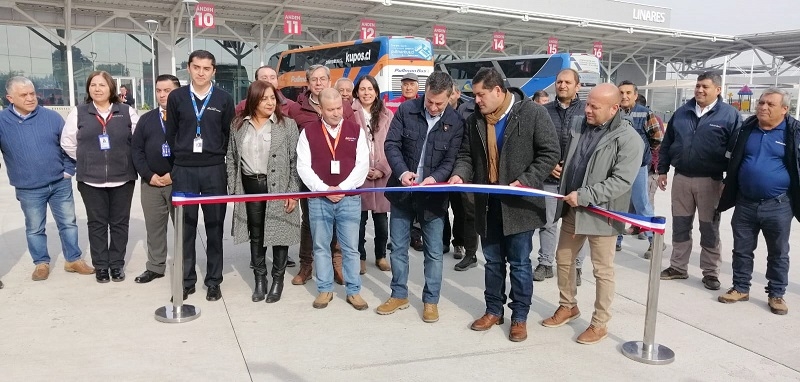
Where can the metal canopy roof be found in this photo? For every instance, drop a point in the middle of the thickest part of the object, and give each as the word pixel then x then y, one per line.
pixel 469 30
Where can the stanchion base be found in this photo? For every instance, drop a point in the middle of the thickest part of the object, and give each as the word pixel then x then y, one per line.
pixel 170 314
pixel 660 355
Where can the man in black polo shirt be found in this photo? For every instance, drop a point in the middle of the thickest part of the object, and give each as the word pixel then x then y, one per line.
pixel 198 126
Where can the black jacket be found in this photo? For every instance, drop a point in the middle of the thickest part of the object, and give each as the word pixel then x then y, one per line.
pixel 792 140
pixel 215 127
pixel 403 149
pixel 146 147
pixel 561 120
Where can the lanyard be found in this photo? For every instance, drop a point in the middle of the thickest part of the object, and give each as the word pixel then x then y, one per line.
pixel 328 141
pixel 199 114
pixel 161 119
pixel 104 122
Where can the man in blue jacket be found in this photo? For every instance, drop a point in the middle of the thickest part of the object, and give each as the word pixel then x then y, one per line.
pixel 421 148
pixel 763 186
pixel 695 143
pixel 41 174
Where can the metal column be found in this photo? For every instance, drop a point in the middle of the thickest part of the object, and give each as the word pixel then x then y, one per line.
pixel 177 312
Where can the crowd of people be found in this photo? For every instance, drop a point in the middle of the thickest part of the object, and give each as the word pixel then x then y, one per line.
pixel 607 150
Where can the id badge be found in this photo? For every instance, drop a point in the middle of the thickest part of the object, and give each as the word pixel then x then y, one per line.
pixel 105 143
pixel 335 167
pixel 197 147
pixel 165 151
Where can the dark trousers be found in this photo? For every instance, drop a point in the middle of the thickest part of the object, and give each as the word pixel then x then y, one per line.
pixel 108 210
pixel 463 229
pixel 256 211
pixel 204 180
pixel 381 221
pixel 514 250
pixel 773 217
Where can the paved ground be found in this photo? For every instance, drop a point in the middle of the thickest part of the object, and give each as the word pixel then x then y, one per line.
pixel 70 328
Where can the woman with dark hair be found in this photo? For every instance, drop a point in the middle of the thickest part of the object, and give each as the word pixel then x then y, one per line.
pixel 262 159
pixel 98 136
pixel 374 118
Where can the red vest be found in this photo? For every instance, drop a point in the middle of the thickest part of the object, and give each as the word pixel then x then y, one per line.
pixel 321 154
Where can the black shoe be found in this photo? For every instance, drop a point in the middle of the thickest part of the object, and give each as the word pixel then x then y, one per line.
pixel 578 277
pixel 389 246
pixel 469 261
pixel 417 245
pixel 102 276
pixel 1 285
pixel 618 247
pixel 290 263
pixel 446 249
pixel 711 282
pixel 117 275
pixel 260 288
pixel 147 276
pixel 542 272
pixel 214 293
pixel 186 293
pixel 276 290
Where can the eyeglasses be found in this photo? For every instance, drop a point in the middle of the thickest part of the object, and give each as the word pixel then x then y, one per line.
pixel 317 79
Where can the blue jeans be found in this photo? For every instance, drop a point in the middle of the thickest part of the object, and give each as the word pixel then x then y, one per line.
pixel 774 218
pixel 62 204
pixel 345 216
pixel 640 199
pixel 400 232
pixel 499 249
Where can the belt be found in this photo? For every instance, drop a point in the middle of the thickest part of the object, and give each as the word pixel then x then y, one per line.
pixel 782 198
pixel 255 176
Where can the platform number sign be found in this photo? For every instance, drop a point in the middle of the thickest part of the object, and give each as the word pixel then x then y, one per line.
pixel 552 45
pixel 498 41
pixel 439 35
pixel 292 23
pixel 597 49
pixel 368 29
pixel 204 15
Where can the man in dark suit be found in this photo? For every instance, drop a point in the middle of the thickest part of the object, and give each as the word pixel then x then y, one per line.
pixel 125 97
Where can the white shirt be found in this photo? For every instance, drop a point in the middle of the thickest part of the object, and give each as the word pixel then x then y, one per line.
pixel 199 96
pixel 356 177
pixel 69 137
pixel 701 111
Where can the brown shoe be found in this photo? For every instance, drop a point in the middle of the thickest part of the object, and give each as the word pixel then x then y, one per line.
pixel 486 322
pixel 383 264
pixel 562 316
pixel 519 332
pixel 733 295
pixel 322 300
pixel 363 267
pixel 357 302
pixel 592 335
pixel 392 305
pixel 78 266
pixel 42 272
pixel 303 275
pixel 430 313
pixel 777 305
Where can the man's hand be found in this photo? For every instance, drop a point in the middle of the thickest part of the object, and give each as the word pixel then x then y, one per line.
pixel 662 182
pixel 67 176
pixel 556 173
pixel 408 178
pixel 428 180
pixel 335 198
pixel 166 179
pixel 155 181
pixel 455 179
pixel 572 199
pixel 516 183
pixel 289 205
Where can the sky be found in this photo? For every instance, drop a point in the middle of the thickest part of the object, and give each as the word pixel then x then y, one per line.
pixel 733 17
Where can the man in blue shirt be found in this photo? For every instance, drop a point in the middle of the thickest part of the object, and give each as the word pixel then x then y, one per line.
pixel 763 186
pixel 41 174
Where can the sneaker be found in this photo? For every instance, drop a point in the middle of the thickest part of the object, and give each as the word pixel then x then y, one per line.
pixel 458 252
pixel 711 282
pixel 562 316
pixel 618 247
pixel 578 277
pixel 592 335
pixel 542 272
pixel 469 261
pixel 672 274
pixel 733 295
pixel 322 300
pixel 78 266
pixel 357 302
pixel 41 272
pixel 392 305
pixel 777 305
pixel 430 313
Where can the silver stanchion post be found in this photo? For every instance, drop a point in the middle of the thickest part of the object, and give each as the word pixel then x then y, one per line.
pixel 648 351
pixel 178 311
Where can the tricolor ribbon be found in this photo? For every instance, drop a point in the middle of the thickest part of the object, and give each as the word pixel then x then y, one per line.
pixel 646 223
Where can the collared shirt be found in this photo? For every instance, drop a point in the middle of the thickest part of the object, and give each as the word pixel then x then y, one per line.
pixel 356 177
pixel 431 119
pixel 18 114
pixel 653 127
pixel 763 173
pixel 256 145
pixel 576 170
pixel 198 95
pixel 701 111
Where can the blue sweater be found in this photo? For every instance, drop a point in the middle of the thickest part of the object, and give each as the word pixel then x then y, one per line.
pixel 32 148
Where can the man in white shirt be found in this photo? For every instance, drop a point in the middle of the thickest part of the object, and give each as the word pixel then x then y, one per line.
pixel 334 156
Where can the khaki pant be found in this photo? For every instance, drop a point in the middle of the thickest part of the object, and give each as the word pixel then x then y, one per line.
pixel 702 195
pixel 602 254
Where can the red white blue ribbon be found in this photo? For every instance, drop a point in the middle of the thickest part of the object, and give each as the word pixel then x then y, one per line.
pixel 645 223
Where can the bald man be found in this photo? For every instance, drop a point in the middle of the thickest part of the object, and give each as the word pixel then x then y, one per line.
pixel 334 156
pixel 603 158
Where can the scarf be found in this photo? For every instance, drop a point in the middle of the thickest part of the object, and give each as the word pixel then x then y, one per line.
pixel 491 137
